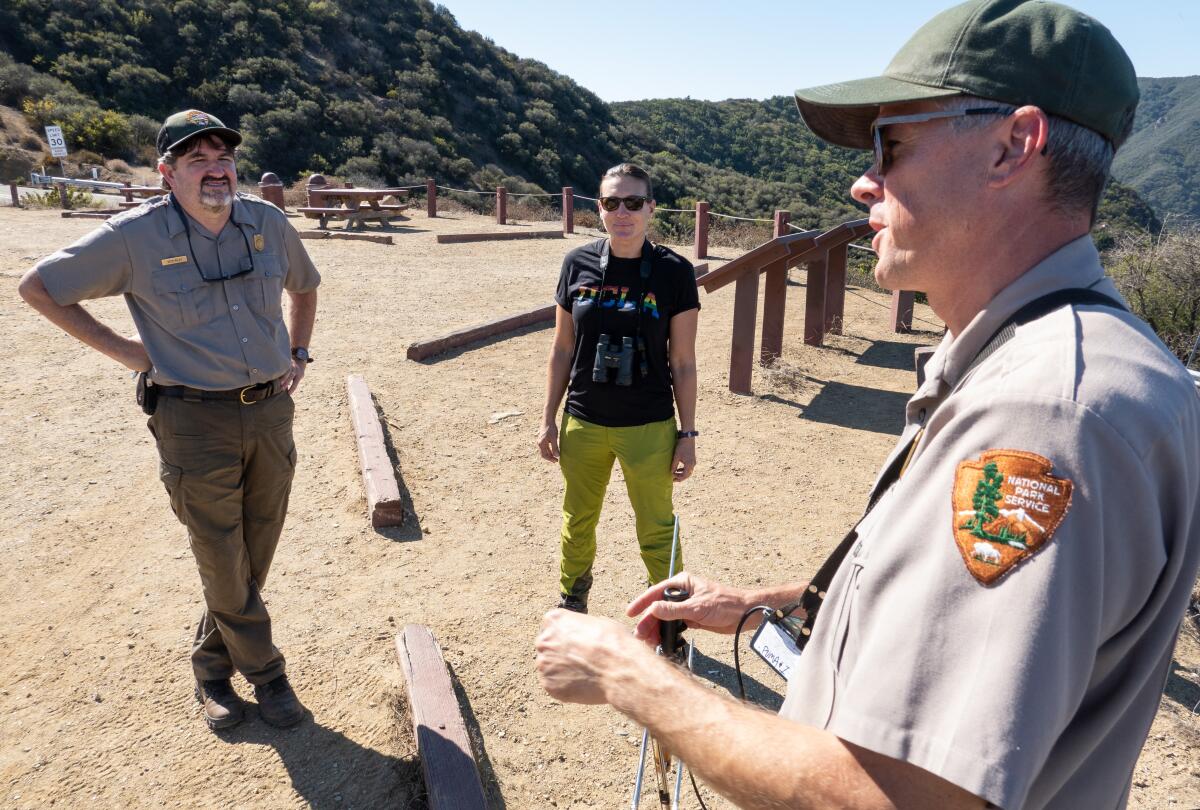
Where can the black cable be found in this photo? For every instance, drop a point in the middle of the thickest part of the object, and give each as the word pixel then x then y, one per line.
pixel 696 789
pixel 737 662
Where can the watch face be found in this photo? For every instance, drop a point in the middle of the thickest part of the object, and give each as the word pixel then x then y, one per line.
pixel 300 354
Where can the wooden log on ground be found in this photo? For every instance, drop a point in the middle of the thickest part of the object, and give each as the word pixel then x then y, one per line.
pixel 380 238
pixel 451 775
pixel 379 479
pixel 423 349
pixel 313 234
pixel 454 238
pixel 88 214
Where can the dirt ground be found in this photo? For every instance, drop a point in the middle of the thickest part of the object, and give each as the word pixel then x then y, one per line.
pixel 99 592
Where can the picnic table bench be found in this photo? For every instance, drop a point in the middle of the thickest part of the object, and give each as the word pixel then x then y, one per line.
pixel 359 206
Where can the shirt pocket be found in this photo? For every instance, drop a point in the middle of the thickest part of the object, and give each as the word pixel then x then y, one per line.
pixel 264 287
pixel 183 296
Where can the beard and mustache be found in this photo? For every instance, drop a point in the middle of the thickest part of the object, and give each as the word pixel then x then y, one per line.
pixel 215 194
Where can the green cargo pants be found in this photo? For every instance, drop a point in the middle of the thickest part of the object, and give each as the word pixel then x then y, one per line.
pixel 586 454
pixel 228 470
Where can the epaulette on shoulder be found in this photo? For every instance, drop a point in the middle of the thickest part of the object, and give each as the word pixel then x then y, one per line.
pixel 145 209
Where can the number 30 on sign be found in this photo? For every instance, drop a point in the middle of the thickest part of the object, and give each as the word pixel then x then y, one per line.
pixel 58 144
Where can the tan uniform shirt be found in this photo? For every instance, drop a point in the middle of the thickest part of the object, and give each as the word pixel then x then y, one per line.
pixel 1036 690
pixel 214 335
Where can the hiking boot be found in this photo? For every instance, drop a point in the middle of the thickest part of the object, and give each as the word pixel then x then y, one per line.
pixel 570 601
pixel 278 704
pixel 222 706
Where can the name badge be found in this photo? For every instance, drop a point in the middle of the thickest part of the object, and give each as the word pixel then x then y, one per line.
pixel 259 242
pixel 174 260
pixel 777 648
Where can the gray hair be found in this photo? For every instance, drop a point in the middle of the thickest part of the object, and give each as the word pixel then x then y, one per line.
pixel 1079 158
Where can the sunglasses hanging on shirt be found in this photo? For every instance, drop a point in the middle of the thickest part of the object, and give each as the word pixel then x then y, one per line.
pixel 245 265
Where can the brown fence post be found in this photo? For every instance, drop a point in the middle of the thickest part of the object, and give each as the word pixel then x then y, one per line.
pixel 568 212
pixel 270 187
pixel 430 198
pixel 814 302
pixel 902 310
pixel 16 198
pixel 835 289
pixel 774 308
pixel 501 205
pixel 702 234
pixel 741 353
pixel 63 199
pixel 781 223
pixel 128 195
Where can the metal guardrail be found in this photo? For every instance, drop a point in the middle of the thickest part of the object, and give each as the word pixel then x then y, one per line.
pixel 38 179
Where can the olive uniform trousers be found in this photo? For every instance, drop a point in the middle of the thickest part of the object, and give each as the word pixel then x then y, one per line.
pixel 228 470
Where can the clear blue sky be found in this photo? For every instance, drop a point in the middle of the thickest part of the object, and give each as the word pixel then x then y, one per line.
pixel 717 49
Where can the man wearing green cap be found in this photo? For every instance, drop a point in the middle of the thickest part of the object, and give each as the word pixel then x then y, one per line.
pixel 203 271
pixel 998 626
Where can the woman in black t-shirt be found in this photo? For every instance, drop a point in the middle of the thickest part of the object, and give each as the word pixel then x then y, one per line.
pixel 624 353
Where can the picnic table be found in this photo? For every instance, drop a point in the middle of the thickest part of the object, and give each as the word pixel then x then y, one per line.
pixel 357 205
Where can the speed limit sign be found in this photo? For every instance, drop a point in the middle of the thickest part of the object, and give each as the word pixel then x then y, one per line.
pixel 58 144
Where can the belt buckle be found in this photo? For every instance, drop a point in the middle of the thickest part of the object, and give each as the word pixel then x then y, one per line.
pixel 242 395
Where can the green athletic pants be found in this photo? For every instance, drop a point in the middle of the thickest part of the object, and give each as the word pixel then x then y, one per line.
pixel 586 453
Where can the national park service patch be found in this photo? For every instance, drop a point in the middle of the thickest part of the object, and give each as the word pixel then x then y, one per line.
pixel 1006 507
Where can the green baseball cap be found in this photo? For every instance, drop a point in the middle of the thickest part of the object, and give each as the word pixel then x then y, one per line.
pixel 189 123
pixel 1013 51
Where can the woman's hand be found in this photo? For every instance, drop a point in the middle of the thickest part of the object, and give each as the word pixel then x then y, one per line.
pixel 548 442
pixel 684 460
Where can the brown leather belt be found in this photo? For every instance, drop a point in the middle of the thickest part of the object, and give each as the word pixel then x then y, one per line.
pixel 247 396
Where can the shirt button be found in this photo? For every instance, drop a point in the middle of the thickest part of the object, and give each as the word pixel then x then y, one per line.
pixel 245 340
pixel 236 307
pixel 253 371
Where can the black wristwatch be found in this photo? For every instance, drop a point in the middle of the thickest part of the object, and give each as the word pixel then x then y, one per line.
pixel 686 434
pixel 301 354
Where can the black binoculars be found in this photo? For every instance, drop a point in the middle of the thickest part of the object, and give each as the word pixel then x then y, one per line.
pixel 610 355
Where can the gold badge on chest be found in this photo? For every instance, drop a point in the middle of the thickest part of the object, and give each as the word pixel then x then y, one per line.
pixel 259 242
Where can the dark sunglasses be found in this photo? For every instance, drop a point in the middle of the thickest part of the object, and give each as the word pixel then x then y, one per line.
pixel 631 203
pixel 883 151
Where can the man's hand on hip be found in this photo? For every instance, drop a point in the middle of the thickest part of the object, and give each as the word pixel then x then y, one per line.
pixel 291 380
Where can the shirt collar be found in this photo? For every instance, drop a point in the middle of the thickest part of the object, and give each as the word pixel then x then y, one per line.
pixel 240 215
pixel 1075 264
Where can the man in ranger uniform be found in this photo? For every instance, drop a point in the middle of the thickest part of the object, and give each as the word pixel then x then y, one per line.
pixel 203 270
pixel 998 627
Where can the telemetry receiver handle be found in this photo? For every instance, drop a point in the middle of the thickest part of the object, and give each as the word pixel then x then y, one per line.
pixel 670 630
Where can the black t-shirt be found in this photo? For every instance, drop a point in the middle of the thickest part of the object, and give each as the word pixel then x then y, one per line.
pixel 629 307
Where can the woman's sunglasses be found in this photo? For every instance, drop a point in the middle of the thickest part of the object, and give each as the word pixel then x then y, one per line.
pixel 631 203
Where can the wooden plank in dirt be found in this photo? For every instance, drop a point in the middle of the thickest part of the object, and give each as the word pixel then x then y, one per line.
pixel 379 479
pixel 423 349
pixel 451 774
pixel 454 238
pixel 88 214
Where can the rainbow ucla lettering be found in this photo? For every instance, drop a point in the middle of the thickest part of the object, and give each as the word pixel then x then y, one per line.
pixel 650 305
pixel 587 295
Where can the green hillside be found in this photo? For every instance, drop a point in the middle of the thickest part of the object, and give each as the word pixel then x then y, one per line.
pixel 393 91
pixel 765 139
pixel 1162 157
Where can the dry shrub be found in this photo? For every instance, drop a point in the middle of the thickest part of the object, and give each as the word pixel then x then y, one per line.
pixel 118 166
pixel 1160 278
